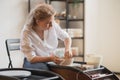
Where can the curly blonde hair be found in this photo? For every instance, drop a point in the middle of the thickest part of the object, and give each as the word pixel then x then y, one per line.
pixel 40 12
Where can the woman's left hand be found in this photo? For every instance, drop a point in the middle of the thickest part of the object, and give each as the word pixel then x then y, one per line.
pixel 68 54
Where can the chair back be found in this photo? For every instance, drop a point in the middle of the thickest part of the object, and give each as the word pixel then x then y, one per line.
pixel 12 45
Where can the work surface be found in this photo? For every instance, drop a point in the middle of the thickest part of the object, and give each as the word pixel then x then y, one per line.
pixel 81 73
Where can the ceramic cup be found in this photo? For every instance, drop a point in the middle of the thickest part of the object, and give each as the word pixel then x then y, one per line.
pixel 95 60
pixel 67 62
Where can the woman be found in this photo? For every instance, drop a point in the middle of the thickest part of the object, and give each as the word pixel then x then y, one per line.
pixel 40 36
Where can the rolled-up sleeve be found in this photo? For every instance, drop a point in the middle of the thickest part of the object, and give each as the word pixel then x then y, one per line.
pixel 62 35
pixel 26 46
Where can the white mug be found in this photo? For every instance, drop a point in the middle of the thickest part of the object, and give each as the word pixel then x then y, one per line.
pixel 94 60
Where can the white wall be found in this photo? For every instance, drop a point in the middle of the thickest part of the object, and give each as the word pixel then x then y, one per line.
pixel 102 31
pixel 12 17
pixel 13 14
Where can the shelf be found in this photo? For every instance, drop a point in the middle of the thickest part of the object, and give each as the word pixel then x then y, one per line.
pixel 96 69
pixel 77 37
pixel 78 55
pixel 81 1
pixel 76 19
pixel 76 2
pixel 102 76
pixel 100 73
pixel 64 18
pixel 60 17
pixel 79 62
pixel 57 0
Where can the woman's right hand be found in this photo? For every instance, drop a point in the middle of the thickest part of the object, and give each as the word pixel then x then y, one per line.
pixel 56 59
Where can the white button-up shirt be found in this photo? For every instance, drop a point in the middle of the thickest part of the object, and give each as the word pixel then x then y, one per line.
pixel 32 45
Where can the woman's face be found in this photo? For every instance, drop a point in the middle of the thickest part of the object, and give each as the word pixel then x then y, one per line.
pixel 46 23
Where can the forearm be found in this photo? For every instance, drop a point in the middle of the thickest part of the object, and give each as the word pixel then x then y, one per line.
pixel 41 59
pixel 67 43
pixel 54 59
